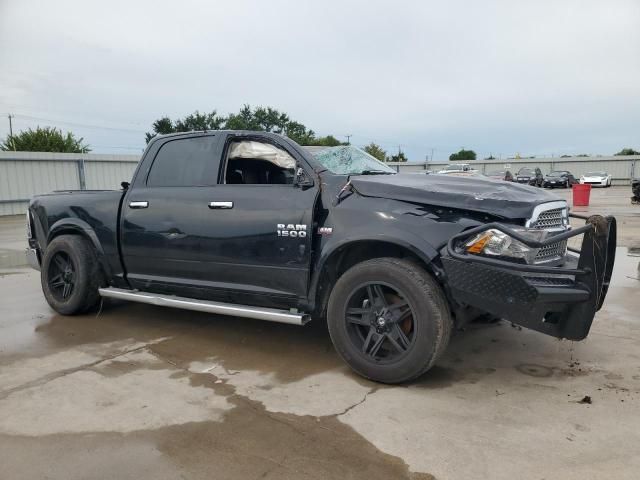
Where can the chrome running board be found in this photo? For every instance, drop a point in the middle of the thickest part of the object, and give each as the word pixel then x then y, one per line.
pixel 259 313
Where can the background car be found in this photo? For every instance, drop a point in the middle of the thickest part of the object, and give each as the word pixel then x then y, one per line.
pixel 596 179
pixel 456 168
pixel 635 190
pixel 530 176
pixel 505 175
pixel 559 178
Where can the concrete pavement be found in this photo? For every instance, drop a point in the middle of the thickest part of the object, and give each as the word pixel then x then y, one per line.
pixel 136 391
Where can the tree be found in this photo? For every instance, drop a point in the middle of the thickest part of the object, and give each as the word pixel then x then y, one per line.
pixel 399 157
pixel 490 157
pixel 262 119
pixel 328 141
pixel 463 155
pixel 627 151
pixel 376 151
pixel 195 121
pixel 47 139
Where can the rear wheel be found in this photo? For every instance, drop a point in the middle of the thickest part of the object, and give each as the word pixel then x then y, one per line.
pixel 388 319
pixel 70 275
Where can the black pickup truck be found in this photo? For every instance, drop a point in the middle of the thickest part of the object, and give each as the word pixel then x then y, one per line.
pixel 250 224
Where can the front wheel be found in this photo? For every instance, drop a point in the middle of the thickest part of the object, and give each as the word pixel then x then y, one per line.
pixel 70 275
pixel 388 319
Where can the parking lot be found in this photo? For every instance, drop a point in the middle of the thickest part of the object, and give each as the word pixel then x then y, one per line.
pixel 135 391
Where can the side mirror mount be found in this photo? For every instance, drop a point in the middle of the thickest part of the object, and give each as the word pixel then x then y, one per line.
pixel 301 179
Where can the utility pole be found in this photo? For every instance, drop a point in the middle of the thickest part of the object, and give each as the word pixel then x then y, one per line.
pixel 349 138
pixel 11 132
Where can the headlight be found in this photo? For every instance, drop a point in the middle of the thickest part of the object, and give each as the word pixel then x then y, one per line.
pixel 498 244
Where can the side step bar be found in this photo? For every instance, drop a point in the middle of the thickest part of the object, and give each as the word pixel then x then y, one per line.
pixel 259 313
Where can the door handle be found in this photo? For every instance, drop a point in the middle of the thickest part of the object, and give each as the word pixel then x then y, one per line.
pixel 138 204
pixel 220 205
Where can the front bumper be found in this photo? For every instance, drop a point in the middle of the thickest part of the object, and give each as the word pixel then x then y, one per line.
pixel 558 301
pixel 554 183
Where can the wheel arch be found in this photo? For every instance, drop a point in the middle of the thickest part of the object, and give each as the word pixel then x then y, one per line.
pixel 76 226
pixel 342 256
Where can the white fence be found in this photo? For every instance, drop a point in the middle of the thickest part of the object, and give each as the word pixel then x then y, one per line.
pixel 24 174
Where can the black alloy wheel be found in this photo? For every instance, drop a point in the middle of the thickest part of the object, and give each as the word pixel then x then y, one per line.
pixel 71 275
pixel 389 319
pixel 380 322
pixel 61 276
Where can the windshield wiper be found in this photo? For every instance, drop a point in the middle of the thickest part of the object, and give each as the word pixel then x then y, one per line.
pixel 375 172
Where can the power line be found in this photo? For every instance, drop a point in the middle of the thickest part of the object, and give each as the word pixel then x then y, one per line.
pixel 77 124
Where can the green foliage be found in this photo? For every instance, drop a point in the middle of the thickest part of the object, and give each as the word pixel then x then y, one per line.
pixel 463 155
pixel 262 119
pixel 45 139
pixel 399 157
pixel 490 157
pixel 627 151
pixel 328 141
pixel 376 151
pixel 195 121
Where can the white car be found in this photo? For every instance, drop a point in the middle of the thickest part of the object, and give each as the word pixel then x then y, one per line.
pixel 457 169
pixel 596 179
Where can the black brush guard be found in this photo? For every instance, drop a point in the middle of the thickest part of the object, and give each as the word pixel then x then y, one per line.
pixel 558 301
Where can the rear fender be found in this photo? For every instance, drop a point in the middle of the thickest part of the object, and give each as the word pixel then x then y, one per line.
pixel 76 226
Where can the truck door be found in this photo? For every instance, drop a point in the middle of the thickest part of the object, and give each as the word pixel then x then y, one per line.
pixel 165 215
pixel 261 221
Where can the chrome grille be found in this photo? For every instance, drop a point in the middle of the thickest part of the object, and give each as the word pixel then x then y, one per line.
pixel 551 252
pixel 552 216
pixel 548 219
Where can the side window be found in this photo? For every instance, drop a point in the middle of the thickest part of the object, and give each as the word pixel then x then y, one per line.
pixel 185 162
pixel 250 162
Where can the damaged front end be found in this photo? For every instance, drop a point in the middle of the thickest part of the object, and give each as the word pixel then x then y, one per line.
pixel 560 301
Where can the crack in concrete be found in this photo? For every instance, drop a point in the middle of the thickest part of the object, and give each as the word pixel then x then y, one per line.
pixel 67 371
pixel 348 409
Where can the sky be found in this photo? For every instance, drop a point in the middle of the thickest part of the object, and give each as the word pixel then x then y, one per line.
pixel 429 77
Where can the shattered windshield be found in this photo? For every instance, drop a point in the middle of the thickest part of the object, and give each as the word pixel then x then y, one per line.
pixel 349 160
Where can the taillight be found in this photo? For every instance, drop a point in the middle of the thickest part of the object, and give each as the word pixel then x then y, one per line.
pixel 29 234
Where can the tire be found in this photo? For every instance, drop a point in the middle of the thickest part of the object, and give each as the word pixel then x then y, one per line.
pixel 70 275
pixel 427 327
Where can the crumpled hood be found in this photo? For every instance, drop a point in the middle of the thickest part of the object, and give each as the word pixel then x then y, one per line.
pixel 496 197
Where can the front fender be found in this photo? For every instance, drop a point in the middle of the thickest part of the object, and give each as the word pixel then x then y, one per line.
pixel 409 242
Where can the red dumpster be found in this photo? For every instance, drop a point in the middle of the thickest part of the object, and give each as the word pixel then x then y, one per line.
pixel 581 195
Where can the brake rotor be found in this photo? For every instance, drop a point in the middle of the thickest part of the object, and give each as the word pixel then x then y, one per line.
pixel 407 323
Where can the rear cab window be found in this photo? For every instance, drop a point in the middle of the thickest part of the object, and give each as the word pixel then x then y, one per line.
pixel 185 162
